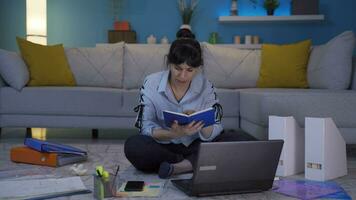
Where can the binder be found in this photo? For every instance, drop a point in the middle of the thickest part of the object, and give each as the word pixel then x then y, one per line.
pixel 51 147
pixel 27 155
pixel 325 150
pixel 292 156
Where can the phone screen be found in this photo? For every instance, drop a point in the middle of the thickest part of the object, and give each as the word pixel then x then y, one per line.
pixel 134 185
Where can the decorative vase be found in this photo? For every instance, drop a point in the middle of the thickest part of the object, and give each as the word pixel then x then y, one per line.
pixel 151 39
pixel 164 40
pixel 270 11
pixel 186 26
pixel 233 8
pixel 121 25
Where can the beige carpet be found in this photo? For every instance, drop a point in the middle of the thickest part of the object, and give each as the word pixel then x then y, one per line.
pixel 108 151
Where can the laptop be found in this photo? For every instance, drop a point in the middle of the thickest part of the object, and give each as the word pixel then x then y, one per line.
pixel 232 168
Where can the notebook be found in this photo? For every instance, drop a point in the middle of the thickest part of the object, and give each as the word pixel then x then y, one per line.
pixel 206 115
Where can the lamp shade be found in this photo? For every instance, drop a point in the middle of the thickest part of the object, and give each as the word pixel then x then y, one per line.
pixel 36 21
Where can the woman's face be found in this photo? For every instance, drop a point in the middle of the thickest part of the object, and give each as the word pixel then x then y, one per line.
pixel 183 73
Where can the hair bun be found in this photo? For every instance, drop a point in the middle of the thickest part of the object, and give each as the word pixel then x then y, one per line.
pixel 184 32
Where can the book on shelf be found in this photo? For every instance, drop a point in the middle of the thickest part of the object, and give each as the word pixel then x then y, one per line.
pixel 52 147
pixel 206 115
pixel 27 155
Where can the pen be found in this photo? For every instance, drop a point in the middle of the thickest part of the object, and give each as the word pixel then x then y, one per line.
pixel 117 170
pixel 114 180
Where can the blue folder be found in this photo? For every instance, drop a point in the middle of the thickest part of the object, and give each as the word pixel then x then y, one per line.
pixel 51 147
pixel 207 116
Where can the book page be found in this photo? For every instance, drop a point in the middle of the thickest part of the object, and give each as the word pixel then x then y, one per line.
pixel 176 113
pixel 201 111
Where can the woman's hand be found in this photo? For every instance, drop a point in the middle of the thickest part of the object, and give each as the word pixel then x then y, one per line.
pixel 184 130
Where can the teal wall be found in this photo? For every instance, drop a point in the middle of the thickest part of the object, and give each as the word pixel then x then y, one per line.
pixel 85 22
pixel 12 22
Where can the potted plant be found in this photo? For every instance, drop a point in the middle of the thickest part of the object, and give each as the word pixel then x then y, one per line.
pixel 270 6
pixel 119 25
pixel 187 11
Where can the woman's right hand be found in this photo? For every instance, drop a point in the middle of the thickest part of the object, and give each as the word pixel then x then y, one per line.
pixel 184 130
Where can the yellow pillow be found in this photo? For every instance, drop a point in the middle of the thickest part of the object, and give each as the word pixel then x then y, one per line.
pixel 48 65
pixel 284 66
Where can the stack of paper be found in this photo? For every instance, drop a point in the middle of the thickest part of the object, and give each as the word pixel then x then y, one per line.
pixel 41 188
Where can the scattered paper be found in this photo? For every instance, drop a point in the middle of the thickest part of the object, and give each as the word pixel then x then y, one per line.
pixel 304 189
pixel 13 189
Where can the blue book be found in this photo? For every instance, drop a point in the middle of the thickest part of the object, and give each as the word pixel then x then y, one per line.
pixel 51 147
pixel 207 116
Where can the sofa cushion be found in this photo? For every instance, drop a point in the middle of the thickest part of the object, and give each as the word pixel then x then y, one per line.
pixel 330 65
pixel 229 67
pixel 284 66
pixel 13 69
pixel 353 84
pixel 48 65
pixel 86 101
pixel 99 67
pixel 229 99
pixel 141 60
pixel 257 104
pixel 131 99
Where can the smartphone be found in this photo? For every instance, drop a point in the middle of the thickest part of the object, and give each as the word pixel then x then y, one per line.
pixel 134 186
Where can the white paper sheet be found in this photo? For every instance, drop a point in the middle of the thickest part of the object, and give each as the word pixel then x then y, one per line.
pixel 39 187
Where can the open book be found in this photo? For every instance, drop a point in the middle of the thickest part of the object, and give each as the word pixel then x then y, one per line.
pixel 206 115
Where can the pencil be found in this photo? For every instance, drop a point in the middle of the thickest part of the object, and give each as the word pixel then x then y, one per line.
pixel 114 180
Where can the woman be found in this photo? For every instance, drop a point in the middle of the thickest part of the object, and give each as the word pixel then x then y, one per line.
pixel 181 88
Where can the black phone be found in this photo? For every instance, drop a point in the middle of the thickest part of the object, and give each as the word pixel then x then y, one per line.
pixel 134 186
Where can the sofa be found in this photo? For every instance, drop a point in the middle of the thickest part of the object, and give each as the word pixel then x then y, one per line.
pixel 109 76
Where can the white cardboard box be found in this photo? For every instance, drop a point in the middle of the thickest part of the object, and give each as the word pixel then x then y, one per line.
pixel 292 155
pixel 325 150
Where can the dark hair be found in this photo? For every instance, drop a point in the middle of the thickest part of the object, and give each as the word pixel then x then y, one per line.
pixel 185 49
pixel 185 33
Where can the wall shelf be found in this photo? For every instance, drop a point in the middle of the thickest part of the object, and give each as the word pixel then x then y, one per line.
pixel 258 19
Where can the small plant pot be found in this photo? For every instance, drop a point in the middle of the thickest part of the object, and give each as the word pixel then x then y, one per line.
pixel 270 11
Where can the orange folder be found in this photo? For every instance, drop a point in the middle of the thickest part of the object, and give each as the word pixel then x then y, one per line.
pixel 26 155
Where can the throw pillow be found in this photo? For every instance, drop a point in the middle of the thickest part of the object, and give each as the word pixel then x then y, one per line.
pixel 229 67
pixel 101 66
pixel 330 65
pixel 13 69
pixel 142 60
pixel 284 66
pixel 48 65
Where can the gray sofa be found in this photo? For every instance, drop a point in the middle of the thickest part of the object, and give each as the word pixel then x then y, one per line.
pixel 100 103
